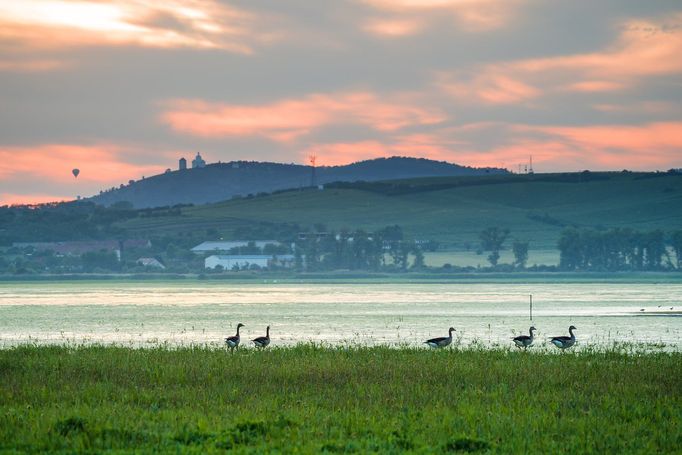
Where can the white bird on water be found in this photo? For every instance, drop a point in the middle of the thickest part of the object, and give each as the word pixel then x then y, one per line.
pixel 441 342
pixel 564 342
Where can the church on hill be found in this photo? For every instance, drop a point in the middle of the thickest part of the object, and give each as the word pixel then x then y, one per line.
pixel 198 162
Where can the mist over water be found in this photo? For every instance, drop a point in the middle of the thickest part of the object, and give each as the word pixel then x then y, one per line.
pixel 489 314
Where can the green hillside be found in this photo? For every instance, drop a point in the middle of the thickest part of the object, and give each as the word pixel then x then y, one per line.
pixel 452 210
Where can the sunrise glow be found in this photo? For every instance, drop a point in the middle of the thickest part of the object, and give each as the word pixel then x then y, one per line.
pixel 124 88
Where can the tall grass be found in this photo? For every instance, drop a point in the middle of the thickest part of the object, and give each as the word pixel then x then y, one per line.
pixel 313 399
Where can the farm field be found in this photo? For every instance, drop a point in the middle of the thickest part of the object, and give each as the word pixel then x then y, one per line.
pixel 471 259
pixel 311 399
pixel 452 210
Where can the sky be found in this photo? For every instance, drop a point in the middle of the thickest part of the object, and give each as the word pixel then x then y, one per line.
pixel 122 89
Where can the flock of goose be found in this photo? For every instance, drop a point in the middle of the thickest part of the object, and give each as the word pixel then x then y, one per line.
pixel 521 341
pixel 562 342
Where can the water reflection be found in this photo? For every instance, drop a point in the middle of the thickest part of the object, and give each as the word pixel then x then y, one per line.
pixel 488 314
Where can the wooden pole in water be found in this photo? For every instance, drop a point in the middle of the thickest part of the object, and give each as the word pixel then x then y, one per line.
pixel 531 307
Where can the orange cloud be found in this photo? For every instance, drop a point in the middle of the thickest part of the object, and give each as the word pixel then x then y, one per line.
pixel 341 153
pixel 470 15
pixel 100 164
pixel 668 108
pixel 30 199
pixel 436 146
pixel 170 23
pixel 650 139
pixel 393 28
pixel 287 120
pixel 602 147
pixel 30 65
pixel 643 49
pixel 489 88
pixel 595 86
pixel 554 148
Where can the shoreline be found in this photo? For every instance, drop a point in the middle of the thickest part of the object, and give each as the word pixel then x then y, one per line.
pixel 672 277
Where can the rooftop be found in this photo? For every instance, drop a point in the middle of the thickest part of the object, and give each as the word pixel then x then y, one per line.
pixel 252 256
pixel 227 245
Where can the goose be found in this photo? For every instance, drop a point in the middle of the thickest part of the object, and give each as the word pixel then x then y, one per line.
pixel 441 342
pixel 233 342
pixel 262 342
pixel 564 342
pixel 523 341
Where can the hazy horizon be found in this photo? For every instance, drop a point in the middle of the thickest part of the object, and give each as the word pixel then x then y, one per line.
pixel 124 89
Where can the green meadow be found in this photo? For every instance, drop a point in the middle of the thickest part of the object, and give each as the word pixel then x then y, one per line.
pixel 311 399
pixel 453 210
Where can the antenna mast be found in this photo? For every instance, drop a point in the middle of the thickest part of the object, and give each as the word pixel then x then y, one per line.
pixel 312 159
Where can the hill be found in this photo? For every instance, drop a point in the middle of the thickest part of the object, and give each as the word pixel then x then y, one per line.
pixel 451 210
pixel 221 181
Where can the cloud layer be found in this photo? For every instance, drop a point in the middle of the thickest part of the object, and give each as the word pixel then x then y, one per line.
pixel 123 89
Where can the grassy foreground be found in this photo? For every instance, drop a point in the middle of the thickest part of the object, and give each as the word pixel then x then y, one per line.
pixel 309 399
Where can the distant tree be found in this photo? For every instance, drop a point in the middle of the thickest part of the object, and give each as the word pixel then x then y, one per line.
pixel 399 252
pixel 311 250
pixel 418 258
pixel 570 249
pixel 391 233
pixel 494 257
pixel 655 249
pixel 492 239
pixel 676 243
pixel 614 249
pixel 520 253
pixel 105 260
pixel 431 246
pixel 298 258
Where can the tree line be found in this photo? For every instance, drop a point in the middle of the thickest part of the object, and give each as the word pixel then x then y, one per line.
pixel 619 249
pixel 385 249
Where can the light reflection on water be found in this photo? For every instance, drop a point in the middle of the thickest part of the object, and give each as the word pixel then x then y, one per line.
pixel 179 313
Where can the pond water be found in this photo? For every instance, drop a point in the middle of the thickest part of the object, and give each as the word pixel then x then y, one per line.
pixel 178 313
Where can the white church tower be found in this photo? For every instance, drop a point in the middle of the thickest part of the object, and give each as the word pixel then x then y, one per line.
pixel 198 162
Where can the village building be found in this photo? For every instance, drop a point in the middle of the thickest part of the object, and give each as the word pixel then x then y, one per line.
pixel 198 162
pixel 226 246
pixel 151 262
pixel 80 247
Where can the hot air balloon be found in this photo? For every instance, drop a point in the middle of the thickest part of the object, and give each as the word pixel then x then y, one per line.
pixel 75 172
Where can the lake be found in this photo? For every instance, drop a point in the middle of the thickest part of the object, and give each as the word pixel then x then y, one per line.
pixel 185 313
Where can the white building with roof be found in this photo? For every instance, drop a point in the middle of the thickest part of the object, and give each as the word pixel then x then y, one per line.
pixel 198 162
pixel 245 261
pixel 226 246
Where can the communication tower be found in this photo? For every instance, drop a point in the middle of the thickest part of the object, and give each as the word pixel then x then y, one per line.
pixel 313 180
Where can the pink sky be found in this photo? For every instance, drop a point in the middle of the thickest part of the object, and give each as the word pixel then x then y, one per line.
pixel 123 89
